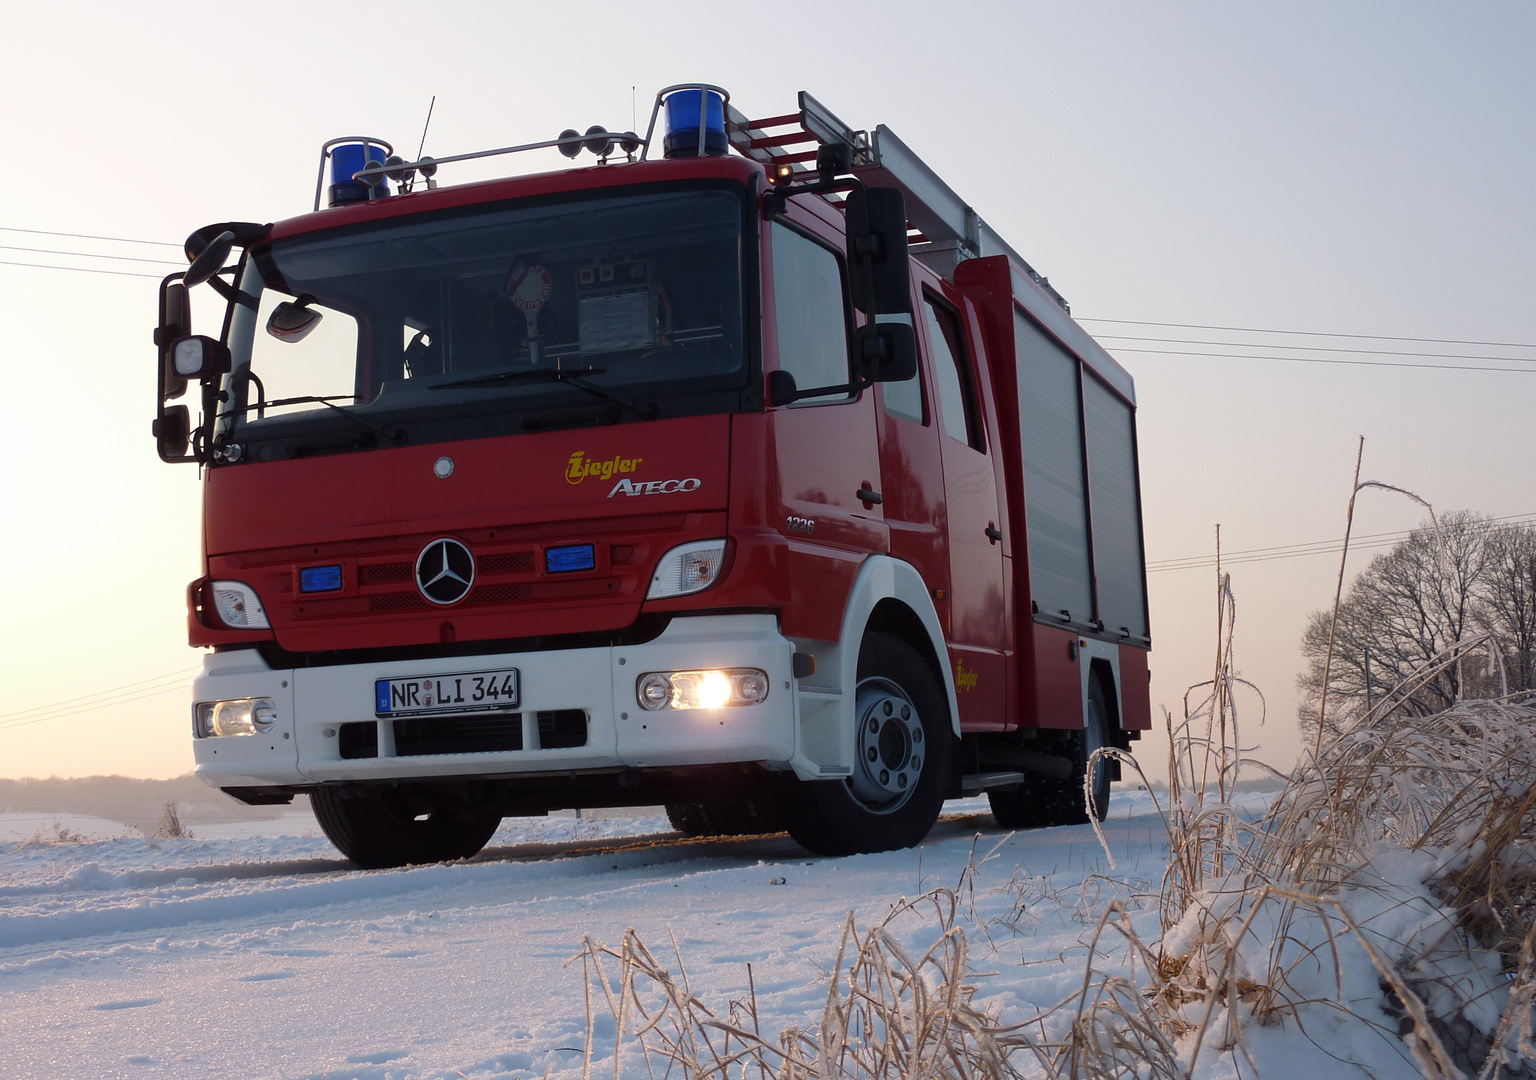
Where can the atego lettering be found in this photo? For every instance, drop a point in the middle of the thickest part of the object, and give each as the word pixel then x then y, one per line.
pixel 655 487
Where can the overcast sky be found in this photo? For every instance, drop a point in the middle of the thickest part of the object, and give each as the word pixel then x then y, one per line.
pixel 1342 168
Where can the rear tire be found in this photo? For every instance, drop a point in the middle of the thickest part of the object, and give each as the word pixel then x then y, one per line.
pixel 718 817
pixel 689 819
pixel 1042 800
pixel 1062 800
pixel 387 828
pixel 1019 807
pixel 902 757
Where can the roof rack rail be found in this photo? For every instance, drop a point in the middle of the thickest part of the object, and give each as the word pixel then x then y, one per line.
pixel 949 229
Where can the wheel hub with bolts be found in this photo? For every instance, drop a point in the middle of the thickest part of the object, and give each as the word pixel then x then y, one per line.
pixel 888 746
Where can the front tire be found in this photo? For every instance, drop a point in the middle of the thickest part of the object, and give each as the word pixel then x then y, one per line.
pixel 378 829
pixel 902 745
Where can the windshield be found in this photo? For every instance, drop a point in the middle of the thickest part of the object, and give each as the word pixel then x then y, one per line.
pixel 593 310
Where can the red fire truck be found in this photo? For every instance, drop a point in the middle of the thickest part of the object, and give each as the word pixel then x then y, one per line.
pixel 743 469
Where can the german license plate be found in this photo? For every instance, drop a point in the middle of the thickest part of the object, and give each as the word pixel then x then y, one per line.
pixel 468 691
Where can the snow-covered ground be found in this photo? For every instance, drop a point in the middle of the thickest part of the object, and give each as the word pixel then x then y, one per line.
pixel 253 950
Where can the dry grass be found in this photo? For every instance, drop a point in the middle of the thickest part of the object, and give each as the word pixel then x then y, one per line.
pixel 1401 852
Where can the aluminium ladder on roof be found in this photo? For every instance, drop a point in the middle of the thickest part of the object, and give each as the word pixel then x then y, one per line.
pixel 949 228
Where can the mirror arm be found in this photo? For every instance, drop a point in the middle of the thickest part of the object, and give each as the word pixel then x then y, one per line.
pixel 776 199
pixel 231 293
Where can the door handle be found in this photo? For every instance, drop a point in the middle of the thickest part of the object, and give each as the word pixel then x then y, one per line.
pixel 994 534
pixel 871 498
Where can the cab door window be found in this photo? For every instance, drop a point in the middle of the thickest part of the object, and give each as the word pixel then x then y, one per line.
pixel 810 314
pixel 957 397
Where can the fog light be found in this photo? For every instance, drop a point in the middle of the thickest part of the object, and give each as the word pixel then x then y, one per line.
pixel 238 716
pixel 708 689
pixel 654 691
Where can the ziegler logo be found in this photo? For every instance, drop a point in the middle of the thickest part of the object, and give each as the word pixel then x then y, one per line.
pixel 579 468
pixel 655 487
pixel 965 680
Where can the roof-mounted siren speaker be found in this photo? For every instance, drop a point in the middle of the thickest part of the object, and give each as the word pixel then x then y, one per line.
pixel 695 124
pixel 348 158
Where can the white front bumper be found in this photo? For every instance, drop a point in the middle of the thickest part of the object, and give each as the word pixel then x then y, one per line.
pixel 303 746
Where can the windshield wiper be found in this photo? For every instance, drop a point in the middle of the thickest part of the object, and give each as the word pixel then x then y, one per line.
pixel 646 410
pixel 329 401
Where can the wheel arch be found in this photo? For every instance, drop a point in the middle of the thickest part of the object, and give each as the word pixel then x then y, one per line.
pixel 1101 670
pixel 887 596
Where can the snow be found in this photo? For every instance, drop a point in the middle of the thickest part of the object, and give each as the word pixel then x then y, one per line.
pixel 254 950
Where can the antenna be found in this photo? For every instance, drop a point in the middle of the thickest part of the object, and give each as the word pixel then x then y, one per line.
pixel 633 116
pixel 424 128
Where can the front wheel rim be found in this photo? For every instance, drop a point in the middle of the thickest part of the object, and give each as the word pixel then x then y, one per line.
pixel 890 749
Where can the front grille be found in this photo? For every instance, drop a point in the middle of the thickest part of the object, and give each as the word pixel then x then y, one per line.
pixel 387 572
pixel 561 729
pixel 359 740
pixel 517 561
pixel 396 602
pixel 459 735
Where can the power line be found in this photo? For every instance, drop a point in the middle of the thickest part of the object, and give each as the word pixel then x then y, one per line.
pixel 1315 348
pixel 133 686
pixel 88 255
pixel 81 269
pixel 1312 547
pixel 92 708
pixel 1309 333
pixel 1327 360
pixel 89 236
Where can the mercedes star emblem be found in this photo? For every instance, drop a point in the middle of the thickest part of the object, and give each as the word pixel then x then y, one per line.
pixel 445 570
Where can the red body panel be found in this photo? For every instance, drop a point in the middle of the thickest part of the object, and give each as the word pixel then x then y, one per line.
pixel 597 177
pixel 507 498
pixel 1057 701
pixel 1135 689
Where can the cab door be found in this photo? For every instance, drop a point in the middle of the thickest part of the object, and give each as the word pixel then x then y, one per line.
pixel 978 625
pixel 826 450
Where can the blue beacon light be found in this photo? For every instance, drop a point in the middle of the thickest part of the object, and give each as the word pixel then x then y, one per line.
pixel 686 110
pixel 348 158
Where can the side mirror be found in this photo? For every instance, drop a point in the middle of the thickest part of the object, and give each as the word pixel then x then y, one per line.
pixel 781 388
pixel 172 430
pixel 292 320
pixel 210 260
pixel 199 358
pixel 175 323
pixel 885 349
pixel 878 258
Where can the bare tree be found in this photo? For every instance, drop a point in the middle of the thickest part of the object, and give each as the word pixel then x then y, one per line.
pixel 1509 600
pixel 1410 604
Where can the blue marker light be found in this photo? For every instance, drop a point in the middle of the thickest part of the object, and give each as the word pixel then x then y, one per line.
pixel 563 560
pixel 686 110
pixel 319 579
pixel 348 158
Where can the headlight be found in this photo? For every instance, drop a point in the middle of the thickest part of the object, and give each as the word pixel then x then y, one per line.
pixel 238 606
pixel 687 569
pixel 711 689
pixel 241 716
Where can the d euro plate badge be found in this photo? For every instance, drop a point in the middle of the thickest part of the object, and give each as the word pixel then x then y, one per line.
pixel 468 691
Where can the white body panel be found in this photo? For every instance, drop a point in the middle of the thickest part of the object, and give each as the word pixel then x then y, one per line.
pixel 303 746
